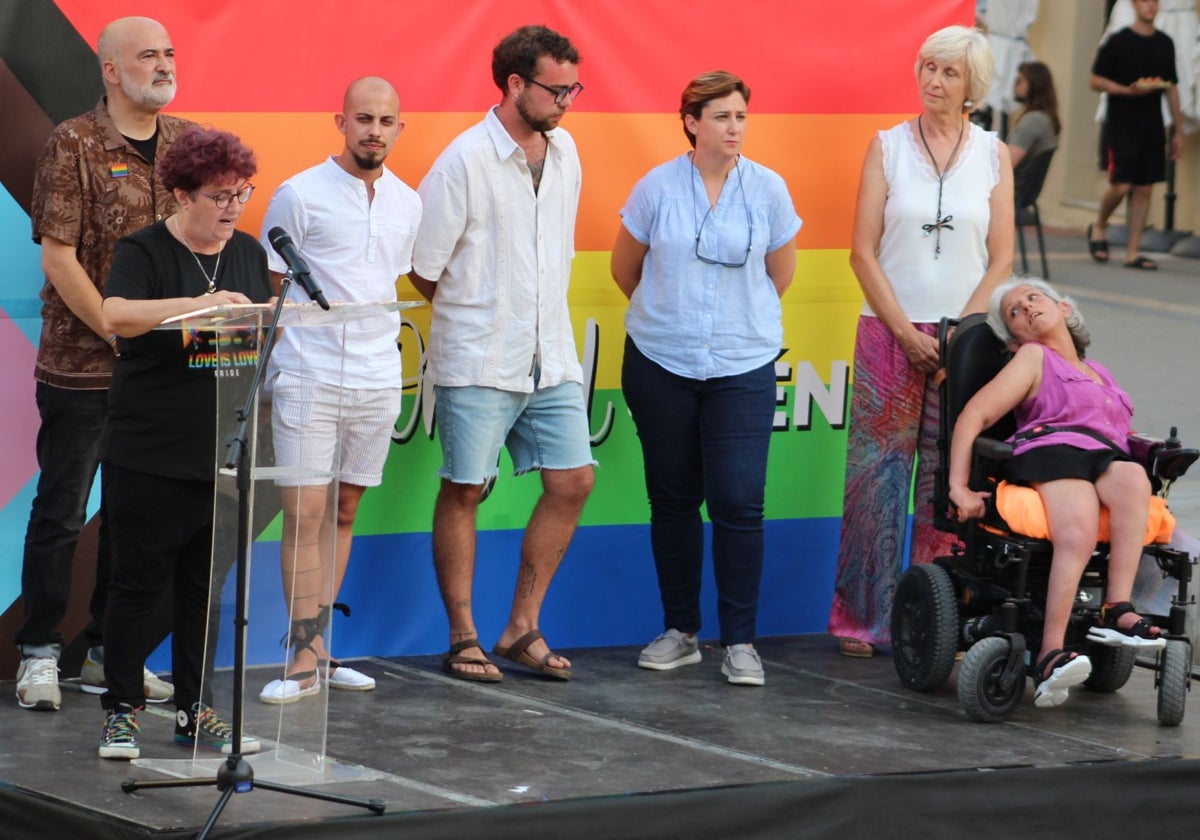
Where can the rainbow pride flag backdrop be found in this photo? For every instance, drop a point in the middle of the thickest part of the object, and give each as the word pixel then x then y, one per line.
pixel 824 77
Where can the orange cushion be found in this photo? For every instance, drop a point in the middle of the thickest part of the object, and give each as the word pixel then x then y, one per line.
pixel 1024 512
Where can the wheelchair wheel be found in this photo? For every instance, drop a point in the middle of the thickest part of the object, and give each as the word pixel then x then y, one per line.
pixel 1175 669
pixel 924 627
pixel 979 690
pixel 1111 667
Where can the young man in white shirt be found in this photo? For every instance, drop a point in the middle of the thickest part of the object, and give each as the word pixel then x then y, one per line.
pixel 337 390
pixel 494 256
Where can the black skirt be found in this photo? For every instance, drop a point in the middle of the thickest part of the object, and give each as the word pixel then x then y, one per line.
pixel 1050 463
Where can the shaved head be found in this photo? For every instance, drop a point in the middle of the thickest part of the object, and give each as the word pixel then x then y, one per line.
pixel 368 87
pixel 114 37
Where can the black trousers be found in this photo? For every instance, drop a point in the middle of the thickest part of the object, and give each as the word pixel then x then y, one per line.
pixel 68 450
pixel 162 535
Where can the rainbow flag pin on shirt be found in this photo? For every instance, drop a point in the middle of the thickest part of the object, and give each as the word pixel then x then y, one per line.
pixel 119 170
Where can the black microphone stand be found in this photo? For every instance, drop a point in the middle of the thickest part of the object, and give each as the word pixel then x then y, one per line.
pixel 236 775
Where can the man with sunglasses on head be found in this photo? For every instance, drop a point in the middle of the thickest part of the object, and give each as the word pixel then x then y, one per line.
pixel 92 166
pixel 337 390
pixel 494 256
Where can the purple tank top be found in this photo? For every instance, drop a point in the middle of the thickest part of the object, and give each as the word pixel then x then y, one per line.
pixel 1069 397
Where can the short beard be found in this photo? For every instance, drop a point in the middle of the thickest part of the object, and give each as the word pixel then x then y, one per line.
pixel 368 164
pixel 151 96
pixel 534 123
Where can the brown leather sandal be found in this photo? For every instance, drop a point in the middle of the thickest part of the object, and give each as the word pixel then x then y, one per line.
pixel 454 657
pixel 517 652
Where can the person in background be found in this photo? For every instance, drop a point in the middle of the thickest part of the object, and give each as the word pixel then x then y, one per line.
pixel 1135 67
pixel 706 249
pixel 1036 127
pixel 933 235
pixel 159 441
pixel 91 163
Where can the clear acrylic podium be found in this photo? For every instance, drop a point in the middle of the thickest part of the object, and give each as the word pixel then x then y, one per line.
pixel 290 552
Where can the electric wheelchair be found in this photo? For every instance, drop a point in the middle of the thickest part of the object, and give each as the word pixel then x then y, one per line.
pixel 987 598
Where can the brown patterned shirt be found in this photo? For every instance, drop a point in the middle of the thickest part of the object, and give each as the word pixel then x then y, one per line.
pixel 90 189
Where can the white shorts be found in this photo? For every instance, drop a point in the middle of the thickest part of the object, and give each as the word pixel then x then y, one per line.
pixel 321 427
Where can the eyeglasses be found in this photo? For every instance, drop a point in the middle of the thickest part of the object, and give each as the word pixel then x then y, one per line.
pixel 749 228
pixel 224 199
pixel 561 94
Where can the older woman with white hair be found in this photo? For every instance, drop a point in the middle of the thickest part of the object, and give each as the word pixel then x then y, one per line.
pixel 1072 447
pixel 933 235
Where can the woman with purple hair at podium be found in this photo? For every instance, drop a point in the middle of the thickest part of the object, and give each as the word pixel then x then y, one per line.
pixel 159 439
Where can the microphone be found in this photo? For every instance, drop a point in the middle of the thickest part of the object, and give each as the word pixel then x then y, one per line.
pixel 286 248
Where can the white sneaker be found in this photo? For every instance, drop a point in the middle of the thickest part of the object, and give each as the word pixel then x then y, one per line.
pixel 348 679
pixel 37 684
pixel 282 692
pixel 91 681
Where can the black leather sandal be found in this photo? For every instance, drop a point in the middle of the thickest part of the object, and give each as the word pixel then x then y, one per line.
pixel 1141 634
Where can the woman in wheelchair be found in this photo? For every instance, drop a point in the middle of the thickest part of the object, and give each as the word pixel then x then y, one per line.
pixel 1072 424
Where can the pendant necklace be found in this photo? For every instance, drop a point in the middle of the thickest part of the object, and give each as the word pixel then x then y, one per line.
pixel 939 221
pixel 212 281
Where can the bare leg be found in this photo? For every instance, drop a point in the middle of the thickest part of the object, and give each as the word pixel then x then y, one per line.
pixel 1073 513
pixel 1139 210
pixel 304 576
pixel 1109 202
pixel 1125 491
pixel 547 536
pixel 348 497
pixel 454 562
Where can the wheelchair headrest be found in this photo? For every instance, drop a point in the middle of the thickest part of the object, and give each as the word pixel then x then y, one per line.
pixel 973 358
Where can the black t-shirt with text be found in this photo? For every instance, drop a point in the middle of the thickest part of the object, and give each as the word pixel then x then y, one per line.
pixel 163 399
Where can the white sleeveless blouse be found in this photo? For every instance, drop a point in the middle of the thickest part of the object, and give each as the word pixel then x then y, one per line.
pixel 930 288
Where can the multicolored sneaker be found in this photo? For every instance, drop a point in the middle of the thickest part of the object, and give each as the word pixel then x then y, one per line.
pixel 201 726
pixel 119 739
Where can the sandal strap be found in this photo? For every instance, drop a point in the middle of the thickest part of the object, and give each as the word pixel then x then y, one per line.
pixel 465 644
pixel 1111 613
pixel 1056 658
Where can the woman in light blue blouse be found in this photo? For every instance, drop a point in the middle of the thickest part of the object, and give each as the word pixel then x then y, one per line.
pixel 706 249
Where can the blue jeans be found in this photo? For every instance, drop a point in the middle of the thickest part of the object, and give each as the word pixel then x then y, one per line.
pixel 704 441
pixel 68 450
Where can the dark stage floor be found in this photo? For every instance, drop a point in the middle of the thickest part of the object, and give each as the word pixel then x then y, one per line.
pixel 434 743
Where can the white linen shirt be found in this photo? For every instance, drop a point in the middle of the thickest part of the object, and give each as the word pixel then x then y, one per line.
pixel 501 257
pixel 356 249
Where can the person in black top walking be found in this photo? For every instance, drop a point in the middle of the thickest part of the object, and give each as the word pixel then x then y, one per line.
pixel 1135 67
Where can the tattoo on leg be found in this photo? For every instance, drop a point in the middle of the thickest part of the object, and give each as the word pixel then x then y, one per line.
pixel 463 604
pixel 527 580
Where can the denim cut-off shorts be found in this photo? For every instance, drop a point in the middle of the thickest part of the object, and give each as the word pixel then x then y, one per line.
pixel 545 429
